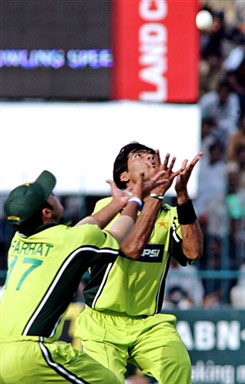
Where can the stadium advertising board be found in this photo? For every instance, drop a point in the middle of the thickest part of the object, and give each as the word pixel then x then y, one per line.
pixel 102 49
pixel 55 49
pixel 215 340
pixel 156 48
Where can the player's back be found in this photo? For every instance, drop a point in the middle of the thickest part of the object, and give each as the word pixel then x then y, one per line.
pixel 44 271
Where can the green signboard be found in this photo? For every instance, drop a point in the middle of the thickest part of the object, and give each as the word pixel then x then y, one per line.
pixel 215 340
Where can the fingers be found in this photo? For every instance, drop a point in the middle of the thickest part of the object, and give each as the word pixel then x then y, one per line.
pixel 111 182
pixel 172 164
pixel 184 163
pixel 157 159
pixel 138 188
pixel 167 169
pixel 141 177
pixel 176 173
pixel 165 163
pixel 196 158
pixel 160 182
pixel 158 175
pixel 193 162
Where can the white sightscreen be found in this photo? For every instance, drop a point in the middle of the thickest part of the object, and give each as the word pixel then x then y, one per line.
pixel 79 141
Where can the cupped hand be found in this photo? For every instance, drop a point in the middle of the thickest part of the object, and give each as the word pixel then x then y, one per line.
pixel 122 196
pixel 163 177
pixel 185 173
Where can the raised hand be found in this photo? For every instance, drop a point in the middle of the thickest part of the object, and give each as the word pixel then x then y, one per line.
pixel 163 177
pixel 185 173
pixel 122 196
pixel 137 189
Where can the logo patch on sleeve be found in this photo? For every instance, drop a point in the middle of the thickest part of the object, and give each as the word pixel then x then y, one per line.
pixel 152 253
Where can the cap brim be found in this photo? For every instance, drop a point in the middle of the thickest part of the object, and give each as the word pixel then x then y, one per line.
pixel 47 181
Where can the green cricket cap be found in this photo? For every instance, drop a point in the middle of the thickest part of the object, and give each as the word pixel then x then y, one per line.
pixel 26 200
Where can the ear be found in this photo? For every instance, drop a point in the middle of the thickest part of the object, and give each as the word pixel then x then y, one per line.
pixel 124 177
pixel 46 214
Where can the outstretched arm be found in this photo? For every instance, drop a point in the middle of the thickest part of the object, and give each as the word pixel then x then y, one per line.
pixel 130 199
pixel 118 202
pixel 124 224
pixel 106 214
pixel 138 237
pixel 192 244
pixel 136 241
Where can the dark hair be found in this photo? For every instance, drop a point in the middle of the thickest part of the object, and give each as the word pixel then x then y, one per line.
pixel 217 143
pixel 30 226
pixel 224 83
pixel 121 161
pixel 240 148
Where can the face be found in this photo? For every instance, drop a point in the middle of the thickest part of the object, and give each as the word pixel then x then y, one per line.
pixel 223 94
pixel 215 154
pixel 58 209
pixel 140 161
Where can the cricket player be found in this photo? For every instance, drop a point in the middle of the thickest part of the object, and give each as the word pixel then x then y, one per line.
pixel 122 321
pixel 45 263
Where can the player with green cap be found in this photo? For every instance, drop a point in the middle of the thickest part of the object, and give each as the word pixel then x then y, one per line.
pixel 45 263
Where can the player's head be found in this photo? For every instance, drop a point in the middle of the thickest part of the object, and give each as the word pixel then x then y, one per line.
pixel 29 205
pixel 121 162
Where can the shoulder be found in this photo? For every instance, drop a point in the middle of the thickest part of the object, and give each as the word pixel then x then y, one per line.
pixel 91 234
pixel 167 207
pixel 83 230
pixel 102 203
pixel 168 210
pixel 67 234
pixel 86 234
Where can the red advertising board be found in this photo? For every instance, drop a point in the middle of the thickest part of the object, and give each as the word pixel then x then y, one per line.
pixel 156 50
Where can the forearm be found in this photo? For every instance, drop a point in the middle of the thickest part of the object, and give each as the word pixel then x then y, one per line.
pixel 104 216
pixel 122 227
pixel 138 237
pixel 192 244
pixel 182 197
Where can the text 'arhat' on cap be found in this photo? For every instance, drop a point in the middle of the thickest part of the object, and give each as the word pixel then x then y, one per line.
pixel 28 199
